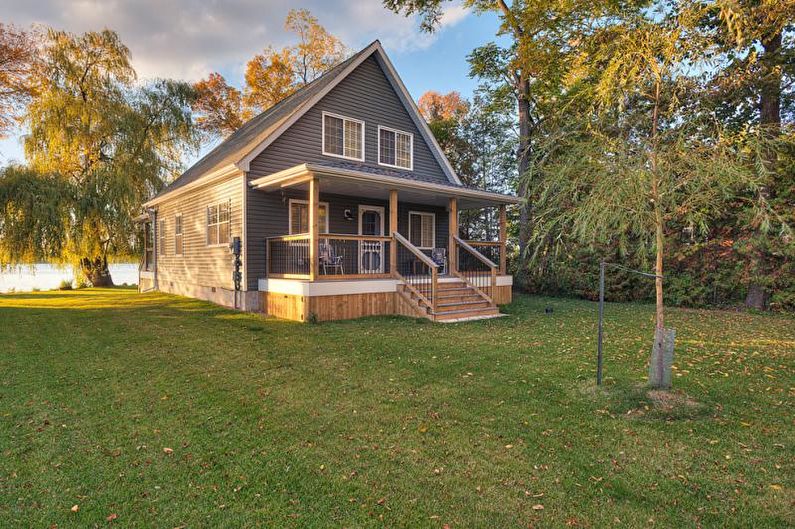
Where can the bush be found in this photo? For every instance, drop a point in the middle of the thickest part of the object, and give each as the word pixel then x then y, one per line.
pixel 65 285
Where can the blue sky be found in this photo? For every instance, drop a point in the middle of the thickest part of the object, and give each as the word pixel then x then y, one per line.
pixel 186 39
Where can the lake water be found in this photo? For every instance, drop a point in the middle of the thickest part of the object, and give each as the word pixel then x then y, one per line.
pixel 48 277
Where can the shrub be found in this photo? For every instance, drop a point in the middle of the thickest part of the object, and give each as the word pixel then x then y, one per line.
pixel 65 285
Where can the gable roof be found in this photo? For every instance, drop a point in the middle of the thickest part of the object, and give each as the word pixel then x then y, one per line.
pixel 243 145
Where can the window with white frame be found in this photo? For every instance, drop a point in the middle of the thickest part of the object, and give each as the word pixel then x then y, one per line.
pixel 343 137
pixel 299 217
pixel 218 223
pixel 422 229
pixel 178 245
pixel 162 237
pixel 395 148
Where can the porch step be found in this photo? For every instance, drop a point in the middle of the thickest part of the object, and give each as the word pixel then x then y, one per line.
pixel 462 314
pixel 461 305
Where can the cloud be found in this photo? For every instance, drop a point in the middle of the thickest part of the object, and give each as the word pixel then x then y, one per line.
pixel 187 39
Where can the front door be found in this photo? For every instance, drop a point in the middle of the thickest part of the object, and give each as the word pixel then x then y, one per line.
pixel 371 253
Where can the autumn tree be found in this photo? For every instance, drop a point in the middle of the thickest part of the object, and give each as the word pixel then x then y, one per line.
pixel 18 61
pixel 218 106
pixel 98 146
pixel 270 76
pixel 274 74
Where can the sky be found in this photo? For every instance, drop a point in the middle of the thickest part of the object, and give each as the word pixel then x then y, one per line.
pixel 187 39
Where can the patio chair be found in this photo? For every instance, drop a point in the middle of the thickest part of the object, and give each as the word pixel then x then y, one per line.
pixel 439 256
pixel 330 260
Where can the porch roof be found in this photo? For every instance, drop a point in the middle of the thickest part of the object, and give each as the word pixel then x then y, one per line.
pixel 371 182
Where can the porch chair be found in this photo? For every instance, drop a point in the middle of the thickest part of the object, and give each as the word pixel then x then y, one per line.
pixel 439 256
pixel 329 259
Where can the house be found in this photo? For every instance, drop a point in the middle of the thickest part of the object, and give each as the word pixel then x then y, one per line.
pixel 335 203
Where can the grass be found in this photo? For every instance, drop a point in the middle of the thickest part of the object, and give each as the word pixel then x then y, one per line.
pixel 160 411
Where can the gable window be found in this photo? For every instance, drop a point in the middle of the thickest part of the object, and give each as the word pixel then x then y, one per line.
pixel 422 229
pixel 178 234
pixel 218 224
pixel 343 137
pixel 162 236
pixel 299 217
pixel 395 148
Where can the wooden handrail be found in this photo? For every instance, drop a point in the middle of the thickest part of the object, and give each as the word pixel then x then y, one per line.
pixel 338 236
pixel 482 243
pixel 485 260
pixel 295 237
pixel 413 249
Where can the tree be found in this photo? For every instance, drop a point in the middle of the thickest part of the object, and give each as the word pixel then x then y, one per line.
pixel 18 61
pixel 218 106
pixel 752 92
pixel 274 74
pixel 531 67
pixel 479 139
pixel 105 144
pixel 649 166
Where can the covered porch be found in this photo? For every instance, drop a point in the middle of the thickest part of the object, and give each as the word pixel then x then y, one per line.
pixel 348 226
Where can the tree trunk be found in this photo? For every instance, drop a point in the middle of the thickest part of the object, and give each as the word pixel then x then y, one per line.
pixel 525 212
pixel 770 120
pixel 96 271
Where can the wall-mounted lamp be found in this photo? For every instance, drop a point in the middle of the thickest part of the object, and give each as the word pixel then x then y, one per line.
pixel 348 214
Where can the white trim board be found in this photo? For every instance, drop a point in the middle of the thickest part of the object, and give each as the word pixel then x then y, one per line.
pixel 327 288
pixel 300 287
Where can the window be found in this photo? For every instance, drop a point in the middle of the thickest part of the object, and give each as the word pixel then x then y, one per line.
pixel 149 250
pixel 395 148
pixel 299 217
pixel 178 234
pixel 343 137
pixel 422 229
pixel 218 225
pixel 161 250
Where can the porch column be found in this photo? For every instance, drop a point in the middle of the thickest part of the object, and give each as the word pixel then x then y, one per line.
pixel 393 228
pixel 314 215
pixel 503 238
pixel 452 264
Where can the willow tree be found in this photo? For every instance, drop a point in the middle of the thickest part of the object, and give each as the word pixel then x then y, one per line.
pixel 646 165
pixel 100 145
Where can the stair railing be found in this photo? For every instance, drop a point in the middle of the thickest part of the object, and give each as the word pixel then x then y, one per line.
pixel 475 269
pixel 417 271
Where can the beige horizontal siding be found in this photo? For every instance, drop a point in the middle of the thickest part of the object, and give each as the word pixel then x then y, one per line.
pixel 199 264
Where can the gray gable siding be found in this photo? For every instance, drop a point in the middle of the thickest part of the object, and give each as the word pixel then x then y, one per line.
pixel 366 94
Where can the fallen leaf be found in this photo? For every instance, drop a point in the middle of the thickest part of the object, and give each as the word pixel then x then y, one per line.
pixel 538 507
pixel 775 487
pixel 168 450
pixel 112 517
pixel 75 508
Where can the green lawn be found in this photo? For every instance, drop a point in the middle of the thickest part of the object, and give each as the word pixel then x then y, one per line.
pixel 170 412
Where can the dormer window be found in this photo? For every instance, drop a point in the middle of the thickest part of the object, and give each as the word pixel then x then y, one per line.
pixel 395 148
pixel 343 137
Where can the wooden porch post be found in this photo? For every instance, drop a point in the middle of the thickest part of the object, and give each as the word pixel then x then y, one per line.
pixel 314 215
pixel 452 265
pixel 393 228
pixel 503 238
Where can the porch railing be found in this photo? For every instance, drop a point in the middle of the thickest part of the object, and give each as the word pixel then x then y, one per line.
pixel 491 250
pixel 418 272
pixel 287 256
pixel 340 256
pixel 475 269
pixel 353 256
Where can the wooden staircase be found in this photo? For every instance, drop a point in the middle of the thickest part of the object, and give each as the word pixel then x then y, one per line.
pixel 455 301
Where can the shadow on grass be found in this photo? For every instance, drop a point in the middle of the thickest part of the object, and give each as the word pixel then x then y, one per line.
pixel 639 402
